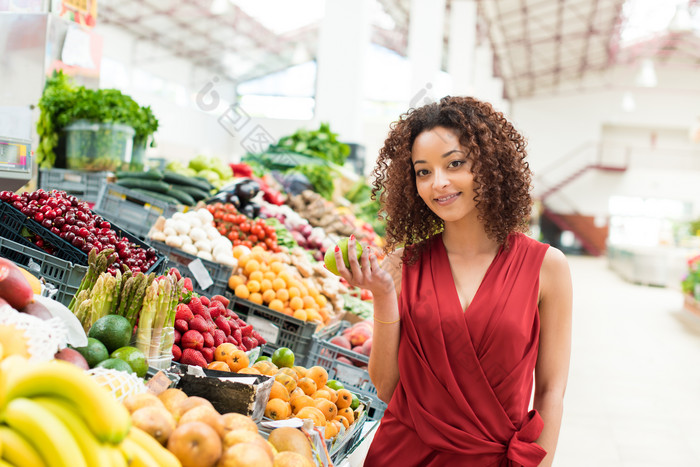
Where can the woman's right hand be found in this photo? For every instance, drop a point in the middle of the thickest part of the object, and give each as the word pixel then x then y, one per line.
pixel 365 274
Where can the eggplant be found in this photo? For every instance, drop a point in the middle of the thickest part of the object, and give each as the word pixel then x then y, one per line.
pixel 248 210
pixel 233 199
pixel 246 190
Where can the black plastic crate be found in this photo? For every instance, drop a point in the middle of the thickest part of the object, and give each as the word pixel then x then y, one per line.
pixel 294 333
pixel 354 378
pixel 340 448
pixel 136 212
pixel 83 185
pixel 219 273
pixel 13 224
pixel 64 275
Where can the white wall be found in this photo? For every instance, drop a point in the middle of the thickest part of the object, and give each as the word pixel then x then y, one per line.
pixel 570 125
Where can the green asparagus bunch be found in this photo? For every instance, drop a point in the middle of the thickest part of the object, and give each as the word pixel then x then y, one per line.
pixel 157 317
pixel 97 265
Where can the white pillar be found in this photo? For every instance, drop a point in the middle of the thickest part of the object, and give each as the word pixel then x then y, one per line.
pixel 343 43
pixel 462 46
pixel 425 44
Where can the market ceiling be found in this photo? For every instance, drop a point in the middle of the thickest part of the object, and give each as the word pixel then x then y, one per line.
pixel 539 46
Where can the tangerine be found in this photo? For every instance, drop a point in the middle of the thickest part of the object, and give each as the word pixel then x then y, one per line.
pixel 277 409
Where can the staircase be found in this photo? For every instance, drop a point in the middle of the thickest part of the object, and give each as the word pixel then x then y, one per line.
pixel 592 238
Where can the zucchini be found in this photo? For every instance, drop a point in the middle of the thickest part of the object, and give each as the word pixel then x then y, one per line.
pixel 193 191
pixel 172 177
pixel 144 184
pixel 158 196
pixel 181 196
pixel 152 174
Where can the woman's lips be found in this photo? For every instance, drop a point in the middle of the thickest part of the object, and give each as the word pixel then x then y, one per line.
pixel 448 199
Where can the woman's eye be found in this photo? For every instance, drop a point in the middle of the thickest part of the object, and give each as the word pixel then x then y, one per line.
pixel 455 164
pixel 421 173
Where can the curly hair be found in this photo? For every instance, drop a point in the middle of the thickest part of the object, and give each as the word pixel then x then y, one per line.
pixel 502 177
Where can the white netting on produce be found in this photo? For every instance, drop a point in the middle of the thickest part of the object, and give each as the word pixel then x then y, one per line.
pixel 120 383
pixel 43 337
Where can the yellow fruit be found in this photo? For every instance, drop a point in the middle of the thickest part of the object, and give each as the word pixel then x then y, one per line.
pixel 278 391
pixel 268 295
pixel 265 285
pixel 234 281
pixel 277 409
pixel 283 294
pixel 300 314
pixel 242 291
pixel 312 413
pixel 256 298
pixel 256 276
pixel 276 305
pixel 296 303
pixel 252 265
pixel 253 286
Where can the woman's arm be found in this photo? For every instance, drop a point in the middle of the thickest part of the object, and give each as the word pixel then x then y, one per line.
pixel 552 369
pixel 385 283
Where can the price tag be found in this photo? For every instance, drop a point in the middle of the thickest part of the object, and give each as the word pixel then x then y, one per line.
pixel 265 328
pixel 158 383
pixel 200 273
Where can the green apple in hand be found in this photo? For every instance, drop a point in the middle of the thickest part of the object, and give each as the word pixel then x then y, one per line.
pixel 329 257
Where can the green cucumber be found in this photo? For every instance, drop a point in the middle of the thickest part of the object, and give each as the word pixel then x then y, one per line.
pixel 150 185
pixel 152 174
pixel 181 196
pixel 158 196
pixel 172 177
pixel 193 191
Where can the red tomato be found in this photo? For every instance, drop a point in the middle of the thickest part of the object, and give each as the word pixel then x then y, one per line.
pixel 253 238
pixel 245 227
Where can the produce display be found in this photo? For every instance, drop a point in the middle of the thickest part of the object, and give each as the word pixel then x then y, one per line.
pixel 166 186
pixel 212 169
pixel 74 222
pixel 193 232
pixel 241 230
pixel 203 324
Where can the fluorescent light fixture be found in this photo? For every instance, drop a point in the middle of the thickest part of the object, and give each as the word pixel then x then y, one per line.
pixel 681 21
pixel 628 104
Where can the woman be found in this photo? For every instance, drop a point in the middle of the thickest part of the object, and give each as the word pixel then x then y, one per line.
pixel 470 307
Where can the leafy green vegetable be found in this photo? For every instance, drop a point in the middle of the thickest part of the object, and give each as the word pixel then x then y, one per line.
pixel 284 237
pixel 63 103
pixel 321 143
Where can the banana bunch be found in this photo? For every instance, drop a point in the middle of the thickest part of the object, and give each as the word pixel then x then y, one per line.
pixel 53 414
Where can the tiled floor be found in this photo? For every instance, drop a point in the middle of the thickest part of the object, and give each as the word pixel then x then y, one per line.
pixel 634 387
pixel 633 397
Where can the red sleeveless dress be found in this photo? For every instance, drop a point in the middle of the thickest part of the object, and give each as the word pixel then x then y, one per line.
pixel 466 378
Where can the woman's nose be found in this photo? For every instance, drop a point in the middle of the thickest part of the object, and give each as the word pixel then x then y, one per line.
pixel 440 179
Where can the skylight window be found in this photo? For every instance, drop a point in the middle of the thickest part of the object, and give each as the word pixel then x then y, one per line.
pixel 282 16
pixel 644 19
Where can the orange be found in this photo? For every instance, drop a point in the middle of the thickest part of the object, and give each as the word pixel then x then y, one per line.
pixel 286 276
pixel 294 291
pixel 296 393
pixel 309 302
pixel 278 283
pixel 288 311
pixel 308 385
pixel 249 371
pixel 276 305
pixel 265 285
pixel 268 295
pixel 300 402
pixel 331 431
pixel 290 372
pixel 276 267
pixel 313 291
pixel 313 315
pixel 283 294
pixel 253 286
pixel 288 382
pixel 277 409
pixel 331 391
pixel 219 366
pixel 239 251
pixel 256 276
pixel 301 371
pixel 223 351
pixel 242 291
pixel 312 413
pixel 237 360
pixel 243 260
pixel 256 298
pixel 235 280
pixel 319 375
pixel 338 424
pixel 300 314
pixel 252 265
pixel 321 300
pixel 348 413
pixel 278 391
pixel 344 398
pixel 328 408
pixel 269 275
pixel 295 303
pixel 342 420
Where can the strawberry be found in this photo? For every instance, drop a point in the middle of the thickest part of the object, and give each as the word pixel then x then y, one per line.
pixel 249 343
pixel 219 337
pixel 196 305
pixel 242 347
pixel 199 324
pixel 231 340
pixel 193 357
pixel 187 285
pixel 181 325
pixel 204 300
pixel 177 336
pixel 222 323
pixel 261 340
pixel 183 312
pixel 247 330
pixel 177 353
pixel 214 312
pixel 208 354
pixel 223 300
pixel 231 314
pixel 237 335
pixel 241 323
pixel 233 324
pixel 208 339
pixel 192 340
pixel 176 272
pixel 217 309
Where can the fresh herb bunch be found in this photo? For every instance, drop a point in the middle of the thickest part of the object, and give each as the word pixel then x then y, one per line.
pixel 63 103
pixel 321 143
